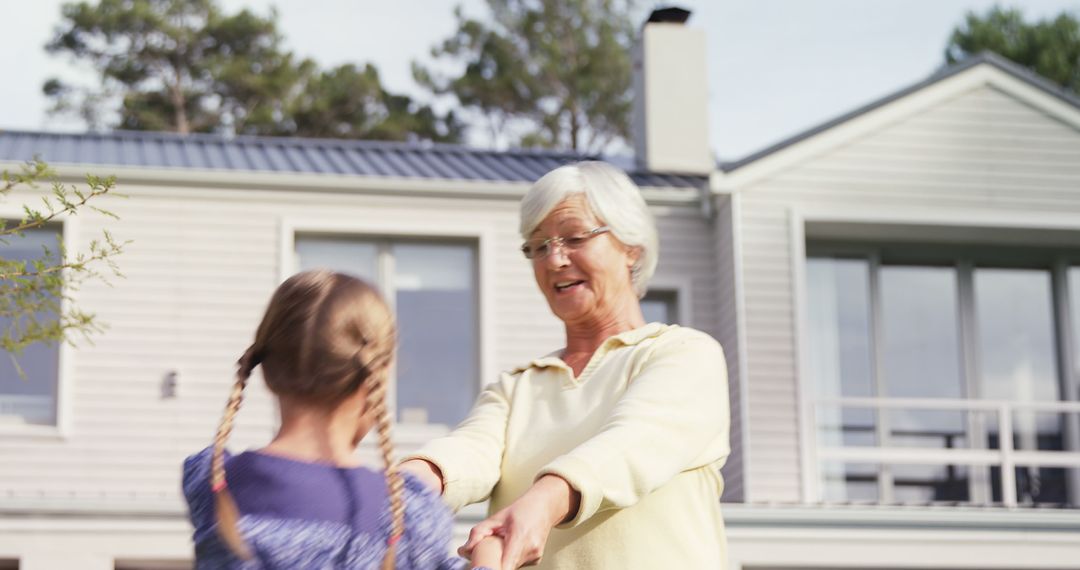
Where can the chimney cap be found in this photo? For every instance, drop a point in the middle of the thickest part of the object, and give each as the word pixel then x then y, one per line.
pixel 671 14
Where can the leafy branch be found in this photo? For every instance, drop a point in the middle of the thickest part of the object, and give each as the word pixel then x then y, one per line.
pixel 37 303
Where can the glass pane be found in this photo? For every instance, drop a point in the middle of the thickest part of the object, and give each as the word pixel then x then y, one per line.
pixel 1049 435
pixel 849 482
pixel 851 426
pixel 30 398
pixel 1014 312
pixel 347 255
pixel 1018 363
pixel 660 307
pixel 921 351
pixel 921 484
pixel 436 305
pixel 839 352
pixel 921 346
pixel 1046 486
pixel 935 429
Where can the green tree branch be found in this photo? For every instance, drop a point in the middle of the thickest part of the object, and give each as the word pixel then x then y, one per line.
pixel 37 301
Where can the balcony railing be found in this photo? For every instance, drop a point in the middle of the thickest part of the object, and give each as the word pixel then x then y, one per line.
pixel 980 450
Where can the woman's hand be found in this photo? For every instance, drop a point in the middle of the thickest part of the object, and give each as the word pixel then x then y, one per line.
pixel 426 471
pixel 526 523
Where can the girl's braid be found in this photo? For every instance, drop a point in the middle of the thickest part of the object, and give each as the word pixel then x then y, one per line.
pixel 226 511
pixel 394 482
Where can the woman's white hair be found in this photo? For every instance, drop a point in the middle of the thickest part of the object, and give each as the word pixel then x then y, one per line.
pixel 612 197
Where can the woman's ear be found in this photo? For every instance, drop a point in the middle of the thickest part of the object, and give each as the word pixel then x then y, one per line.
pixel 633 254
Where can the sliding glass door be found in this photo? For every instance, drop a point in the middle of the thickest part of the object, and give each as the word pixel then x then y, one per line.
pixel 929 358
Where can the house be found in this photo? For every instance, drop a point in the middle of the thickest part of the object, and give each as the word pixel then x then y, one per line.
pixel 908 290
pixel 897 291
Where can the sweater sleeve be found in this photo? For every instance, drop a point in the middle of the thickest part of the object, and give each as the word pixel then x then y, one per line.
pixel 470 457
pixel 428 529
pixel 672 418
pixel 200 499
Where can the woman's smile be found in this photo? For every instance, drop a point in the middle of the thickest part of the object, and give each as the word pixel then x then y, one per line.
pixel 569 286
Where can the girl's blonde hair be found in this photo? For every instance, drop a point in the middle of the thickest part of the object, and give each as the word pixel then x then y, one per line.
pixel 323 337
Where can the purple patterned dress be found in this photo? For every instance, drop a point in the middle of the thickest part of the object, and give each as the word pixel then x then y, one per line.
pixel 299 515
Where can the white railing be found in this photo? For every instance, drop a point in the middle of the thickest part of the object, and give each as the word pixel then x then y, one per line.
pixel 1005 456
pixel 27 409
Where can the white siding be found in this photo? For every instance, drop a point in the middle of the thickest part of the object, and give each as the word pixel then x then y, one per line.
pixel 200 268
pixel 770 365
pixel 688 245
pixel 686 249
pixel 727 332
pixel 198 274
pixel 981 154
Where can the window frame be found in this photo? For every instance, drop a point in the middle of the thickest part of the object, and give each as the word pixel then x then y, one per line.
pixel 65 370
pixel 964 266
pixel 1033 231
pixel 681 287
pixel 408 230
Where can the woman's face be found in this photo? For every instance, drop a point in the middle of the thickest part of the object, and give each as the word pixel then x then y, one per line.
pixel 591 283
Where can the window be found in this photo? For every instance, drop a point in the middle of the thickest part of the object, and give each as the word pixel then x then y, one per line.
pixel 932 354
pixel 661 306
pixel 30 398
pixel 431 286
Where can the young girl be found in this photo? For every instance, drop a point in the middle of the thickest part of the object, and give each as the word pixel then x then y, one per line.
pixel 325 346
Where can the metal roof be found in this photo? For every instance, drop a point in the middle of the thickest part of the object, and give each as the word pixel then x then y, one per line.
pixel 300 155
pixel 990 58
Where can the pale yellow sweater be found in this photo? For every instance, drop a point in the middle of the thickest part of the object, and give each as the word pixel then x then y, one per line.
pixel 642 434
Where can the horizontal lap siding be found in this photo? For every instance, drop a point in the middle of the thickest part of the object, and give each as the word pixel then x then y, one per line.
pixel 688 244
pixel 728 335
pixel 525 327
pixel 185 303
pixel 773 421
pixel 981 151
pixel 198 273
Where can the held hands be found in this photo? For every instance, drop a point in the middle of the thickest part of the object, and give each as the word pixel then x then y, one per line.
pixel 523 529
pixel 525 524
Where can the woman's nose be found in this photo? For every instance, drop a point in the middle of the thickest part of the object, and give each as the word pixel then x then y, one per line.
pixel 557 256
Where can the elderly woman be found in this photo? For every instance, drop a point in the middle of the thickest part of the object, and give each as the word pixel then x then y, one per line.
pixel 605 453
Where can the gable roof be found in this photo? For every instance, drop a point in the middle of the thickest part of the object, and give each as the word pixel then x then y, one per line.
pixel 300 155
pixel 992 59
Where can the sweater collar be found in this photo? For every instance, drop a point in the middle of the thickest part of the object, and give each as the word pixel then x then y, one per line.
pixel 625 338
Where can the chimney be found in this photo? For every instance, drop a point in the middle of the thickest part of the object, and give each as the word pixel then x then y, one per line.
pixel 670 128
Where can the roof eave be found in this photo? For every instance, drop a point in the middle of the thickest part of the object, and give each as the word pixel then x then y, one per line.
pixel 294 181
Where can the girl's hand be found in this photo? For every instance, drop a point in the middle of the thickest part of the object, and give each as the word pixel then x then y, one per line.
pixel 488 553
pixel 527 522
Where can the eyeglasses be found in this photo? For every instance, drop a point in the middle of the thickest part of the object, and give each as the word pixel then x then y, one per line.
pixel 541 248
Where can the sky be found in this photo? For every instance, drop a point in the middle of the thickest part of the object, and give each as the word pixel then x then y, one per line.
pixel 776 67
